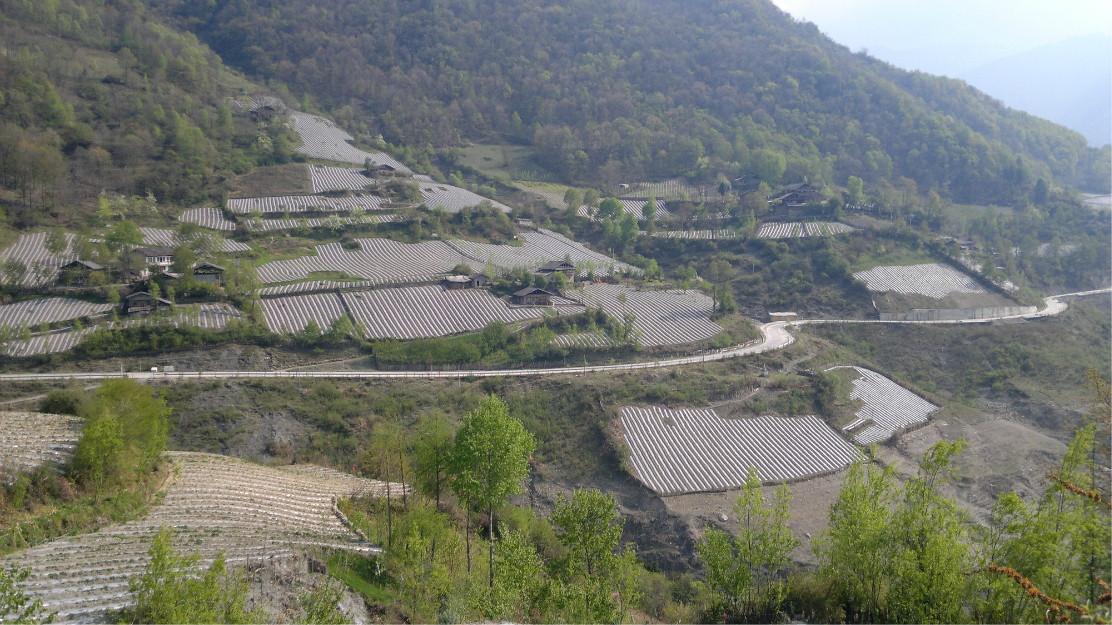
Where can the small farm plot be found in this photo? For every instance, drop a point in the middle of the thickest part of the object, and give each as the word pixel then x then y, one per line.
pixel 689 451
pixel 207 217
pixel 454 199
pixel 169 238
pixel 292 314
pixel 888 407
pixel 40 266
pixel 632 207
pixel 29 440
pixel 310 286
pixel 663 317
pixel 540 248
pixel 52 343
pixel 931 279
pixel 597 339
pixel 324 178
pixel 427 311
pixel 304 204
pixel 706 235
pixel 378 261
pixel 32 312
pixel 214 505
pixel 266 225
pixel 789 229
pixel 322 139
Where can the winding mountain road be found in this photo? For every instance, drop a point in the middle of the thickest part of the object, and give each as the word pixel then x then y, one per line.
pixel 774 336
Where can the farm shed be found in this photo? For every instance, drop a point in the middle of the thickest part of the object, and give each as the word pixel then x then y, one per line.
pixel 456 282
pixel 208 272
pixel 79 272
pixel 479 279
pixel 533 296
pixel 557 266
pixel 141 303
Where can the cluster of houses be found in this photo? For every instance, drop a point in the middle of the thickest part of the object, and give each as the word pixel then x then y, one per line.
pixel 528 296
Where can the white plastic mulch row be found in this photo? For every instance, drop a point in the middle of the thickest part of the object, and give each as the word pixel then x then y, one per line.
pixel 888 405
pixel 695 234
pixel 688 451
pixel 322 139
pixel 931 279
pixel 48 310
pixel 663 317
pixel 214 505
pixel 266 225
pixel 305 203
pixel 378 261
pixel 31 439
pixel 584 339
pixel 540 248
pixel 788 229
pixel 169 238
pixel 454 199
pixel 292 314
pixel 53 343
pixel 632 207
pixel 207 217
pixel 312 285
pixel 325 178
pixel 41 265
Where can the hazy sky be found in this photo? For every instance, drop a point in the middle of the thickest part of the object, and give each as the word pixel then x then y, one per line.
pixel 951 36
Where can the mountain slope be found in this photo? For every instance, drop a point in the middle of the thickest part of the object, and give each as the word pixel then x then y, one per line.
pixel 619 89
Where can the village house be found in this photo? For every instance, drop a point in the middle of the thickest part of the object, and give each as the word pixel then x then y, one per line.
pixel 162 257
pixel 454 283
pixel 480 279
pixel 798 194
pixel 142 303
pixel 208 272
pixel 79 272
pixel 556 266
pixel 532 296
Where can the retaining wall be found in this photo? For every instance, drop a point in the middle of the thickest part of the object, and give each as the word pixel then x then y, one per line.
pixel 951 314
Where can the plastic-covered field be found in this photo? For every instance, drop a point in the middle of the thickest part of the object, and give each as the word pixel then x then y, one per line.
pixel 322 139
pixel 635 208
pixel 168 238
pixel 207 217
pixel 312 285
pixel 788 229
pixel 689 451
pixel 292 314
pixel 48 310
pixel 695 234
pixel 305 203
pixel 265 225
pixel 215 504
pixel 888 407
pixel 663 317
pixel 540 248
pixel 378 261
pixel 29 440
pixel 584 339
pixel 427 311
pixel 932 279
pixel 41 265
pixel 454 199
pixel 325 178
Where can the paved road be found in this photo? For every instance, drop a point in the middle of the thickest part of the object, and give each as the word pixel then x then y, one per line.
pixel 774 336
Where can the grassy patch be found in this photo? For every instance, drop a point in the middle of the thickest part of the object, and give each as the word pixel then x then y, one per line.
pixel 273 180
pixel 890 255
pixel 503 162
pixel 363 575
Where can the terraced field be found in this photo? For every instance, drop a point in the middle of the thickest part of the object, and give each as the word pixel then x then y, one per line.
pixel 707 235
pixel 169 238
pixel 215 504
pixel 324 178
pixel 689 451
pixel 32 312
pixel 266 225
pixel 378 261
pixel 311 285
pixel 53 343
pixel 292 314
pixel 788 229
pixel 454 199
pixel 305 203
pixel 322 139
pixel 931 279
pixel 207 217
pixel 669 189
pixel 32 439
pixel 540 248
pixel 584 339
pixel 635 208
pixel 42 266
pixel 888 407
pixel 663 317
pixel 427 311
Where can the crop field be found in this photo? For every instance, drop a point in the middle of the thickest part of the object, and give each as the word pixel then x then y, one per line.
pixel 322 139
pixel 663 317
pixel 888 408
pixel 207 217
pixel 41 265
pixel 325 178
pixel 311 285
pixel 788 229
pixel 584 339
pixel 48 310
pixel 292 314
pixel 169 238
pixel 258 101
pixel 378 261
pixel 427 311
pixel 669 189
pixel 305 203
pixel 31 439
pixel 540 248
pixel 932 279
pixel 454 199
pixel 633 207
pixel 689 451
pixel 708 235
pixel 266 225
pixel 53 343
pixel 215 504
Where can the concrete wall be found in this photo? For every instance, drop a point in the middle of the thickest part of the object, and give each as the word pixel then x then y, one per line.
pixel 952 314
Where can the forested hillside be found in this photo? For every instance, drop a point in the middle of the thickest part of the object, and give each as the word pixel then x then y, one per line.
pixel 611 90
